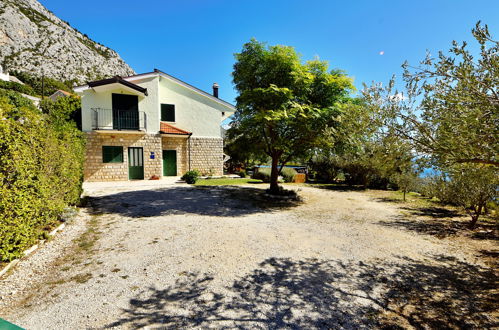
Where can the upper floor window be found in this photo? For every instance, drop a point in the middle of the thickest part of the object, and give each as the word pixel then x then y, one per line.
pixel 168 112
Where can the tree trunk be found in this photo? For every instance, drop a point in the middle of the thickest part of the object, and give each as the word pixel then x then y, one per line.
pixel 474 217
pixel 404 195
pixel 274 176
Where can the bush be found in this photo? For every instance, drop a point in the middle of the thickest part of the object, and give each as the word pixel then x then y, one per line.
pixel 49 85
pixel 12 85
pixel 41 172
pixel 241 173
pixel 263 173
pixel 191 176
pixel 288 174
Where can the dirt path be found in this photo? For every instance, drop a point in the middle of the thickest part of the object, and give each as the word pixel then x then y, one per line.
pixel 179 256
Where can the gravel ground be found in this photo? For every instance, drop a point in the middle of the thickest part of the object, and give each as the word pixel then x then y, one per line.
pixel 161 255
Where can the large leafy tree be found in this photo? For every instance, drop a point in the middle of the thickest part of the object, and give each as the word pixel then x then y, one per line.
pixel 285 108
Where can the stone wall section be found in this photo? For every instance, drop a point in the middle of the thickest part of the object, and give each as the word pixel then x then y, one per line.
pixel 96 170
pixel 206 155
pixel 180 145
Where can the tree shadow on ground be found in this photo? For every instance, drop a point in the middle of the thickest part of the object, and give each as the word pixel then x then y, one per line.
pixel 226 201
pixel 442 226
pixel 284 293
pixel 439 221
pixel 435 227
pixel 434 212
pixel 337 186
pixel 388 200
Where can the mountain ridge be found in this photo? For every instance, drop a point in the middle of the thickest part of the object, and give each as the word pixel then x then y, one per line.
pixel 35 40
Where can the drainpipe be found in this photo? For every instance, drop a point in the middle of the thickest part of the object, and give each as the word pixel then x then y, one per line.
pixel 189 147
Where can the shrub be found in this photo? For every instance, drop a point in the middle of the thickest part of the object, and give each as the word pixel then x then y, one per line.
pixel 15 86
pixel 191 176
pixel 263 173
pixel 49 85
pixel 288 174
pixel 41 172
pixel 241 173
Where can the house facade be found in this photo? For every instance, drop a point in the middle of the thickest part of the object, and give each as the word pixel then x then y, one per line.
pixel 151 125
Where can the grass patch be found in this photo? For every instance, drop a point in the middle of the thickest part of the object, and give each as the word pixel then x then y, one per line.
pixel 82 278
pixel 226 182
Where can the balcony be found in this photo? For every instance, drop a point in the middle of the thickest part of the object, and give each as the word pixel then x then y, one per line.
pixel 121 120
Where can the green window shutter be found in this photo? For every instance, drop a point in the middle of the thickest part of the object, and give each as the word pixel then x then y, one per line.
pixel 112 154
pixel 168 112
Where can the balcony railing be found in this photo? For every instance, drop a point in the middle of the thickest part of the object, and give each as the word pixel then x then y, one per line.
pixel 113 119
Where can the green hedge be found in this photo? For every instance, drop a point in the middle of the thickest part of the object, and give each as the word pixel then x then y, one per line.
pixel 41 166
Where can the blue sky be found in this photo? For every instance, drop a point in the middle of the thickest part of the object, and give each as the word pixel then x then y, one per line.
pixel 195 40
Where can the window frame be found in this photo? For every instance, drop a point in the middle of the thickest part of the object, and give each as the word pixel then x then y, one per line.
pixel 116 153
pixel 161 114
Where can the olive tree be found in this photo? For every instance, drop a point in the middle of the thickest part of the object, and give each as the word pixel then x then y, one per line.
pixel 449 113
pixel 450 108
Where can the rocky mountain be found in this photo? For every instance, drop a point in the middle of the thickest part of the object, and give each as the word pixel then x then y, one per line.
pixel 34 40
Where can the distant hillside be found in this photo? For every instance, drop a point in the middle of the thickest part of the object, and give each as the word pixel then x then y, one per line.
pixel 33 39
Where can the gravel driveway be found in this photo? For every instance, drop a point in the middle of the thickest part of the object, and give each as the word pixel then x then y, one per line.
pixel 173 256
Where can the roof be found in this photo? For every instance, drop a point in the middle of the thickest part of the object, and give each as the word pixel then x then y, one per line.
pixel 60 91
pixel 158 73
pixel 116 80
pixel 64 92
pixel 200 91
pixel 165 128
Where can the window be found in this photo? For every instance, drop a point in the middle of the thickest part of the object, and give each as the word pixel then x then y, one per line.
pixel 168 112
pixel 112 154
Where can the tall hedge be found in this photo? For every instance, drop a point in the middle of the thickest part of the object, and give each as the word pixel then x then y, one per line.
pixel 41 166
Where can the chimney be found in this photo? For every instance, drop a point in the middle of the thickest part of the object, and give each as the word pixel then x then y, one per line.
pixel 215 90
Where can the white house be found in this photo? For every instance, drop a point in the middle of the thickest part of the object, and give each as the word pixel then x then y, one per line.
pixel 151 125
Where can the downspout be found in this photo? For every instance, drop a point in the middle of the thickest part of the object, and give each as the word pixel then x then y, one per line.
pixel 189 149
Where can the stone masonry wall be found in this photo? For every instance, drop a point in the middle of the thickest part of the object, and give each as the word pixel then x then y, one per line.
pixel 207 155
pixel 180 145
pixel 96 170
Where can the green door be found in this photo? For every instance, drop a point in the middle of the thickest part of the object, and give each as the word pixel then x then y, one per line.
pixel 135 163
pixel 169 162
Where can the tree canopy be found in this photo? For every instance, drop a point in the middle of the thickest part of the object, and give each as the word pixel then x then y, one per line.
pixel 285 108
pixel 450 111
pixel 449 114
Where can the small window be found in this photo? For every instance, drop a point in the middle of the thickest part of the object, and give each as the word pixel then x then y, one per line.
pixel 112 154
pixel 168 112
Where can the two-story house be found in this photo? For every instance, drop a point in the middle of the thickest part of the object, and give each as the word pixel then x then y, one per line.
pixel 151 125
